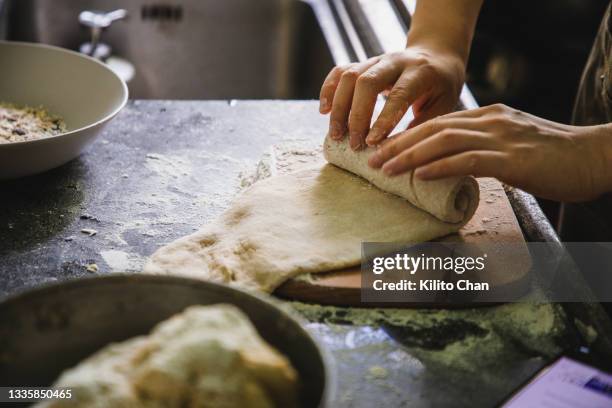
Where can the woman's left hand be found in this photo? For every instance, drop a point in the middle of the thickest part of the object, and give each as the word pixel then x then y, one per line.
pixel 548 159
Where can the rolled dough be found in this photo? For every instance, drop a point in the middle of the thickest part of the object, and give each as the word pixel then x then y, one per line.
pixel 452 199
pixel 206 356
pixel 308 221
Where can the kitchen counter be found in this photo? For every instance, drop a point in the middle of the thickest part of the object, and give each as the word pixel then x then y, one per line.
pixel 163 168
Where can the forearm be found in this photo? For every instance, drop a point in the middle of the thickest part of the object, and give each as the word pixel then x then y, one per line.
pixel 445 25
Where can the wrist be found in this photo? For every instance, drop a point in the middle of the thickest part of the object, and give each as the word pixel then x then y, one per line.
pixel 600 144
pixel 446 26
pixel 606 146
pixel 450 49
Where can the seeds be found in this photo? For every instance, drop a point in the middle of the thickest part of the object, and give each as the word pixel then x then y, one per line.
pixel 23 123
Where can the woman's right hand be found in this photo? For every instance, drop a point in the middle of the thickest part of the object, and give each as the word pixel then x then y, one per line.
pixel 430 81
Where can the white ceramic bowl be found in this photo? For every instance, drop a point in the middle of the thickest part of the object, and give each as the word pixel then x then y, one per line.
pixel 81 90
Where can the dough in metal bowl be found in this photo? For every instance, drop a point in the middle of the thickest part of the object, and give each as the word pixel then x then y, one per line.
pixel 204 357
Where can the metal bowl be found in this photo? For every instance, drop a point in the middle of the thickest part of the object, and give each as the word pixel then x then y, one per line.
pixel 82 91
pixel 51 328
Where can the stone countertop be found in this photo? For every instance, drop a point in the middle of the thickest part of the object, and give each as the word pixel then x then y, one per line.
pixel 163 168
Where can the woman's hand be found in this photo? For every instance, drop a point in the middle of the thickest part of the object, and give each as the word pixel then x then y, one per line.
pixel 429 81
pixel 548 159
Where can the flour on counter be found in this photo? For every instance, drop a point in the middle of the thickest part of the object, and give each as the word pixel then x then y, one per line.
pixel 378 372
pixel 282 158
pixel 119 261
pixel 91 268
pixel 174 167
pixel 90 232
pixel 182 189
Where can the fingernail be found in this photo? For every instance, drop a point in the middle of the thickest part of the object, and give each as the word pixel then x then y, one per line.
pixel 388 170
pixel 423 173
pixel 375 160
pixel 323 105
pixel 373 137
pixel 336 131
pixel 355 140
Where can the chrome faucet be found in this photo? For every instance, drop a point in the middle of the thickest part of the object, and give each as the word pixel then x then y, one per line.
pixel 97 21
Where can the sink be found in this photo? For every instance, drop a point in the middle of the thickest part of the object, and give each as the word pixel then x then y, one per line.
pixel 194 49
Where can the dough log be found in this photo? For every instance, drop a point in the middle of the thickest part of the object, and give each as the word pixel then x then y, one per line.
pixel 453 200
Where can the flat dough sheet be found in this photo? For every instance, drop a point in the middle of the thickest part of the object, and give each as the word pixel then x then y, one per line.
pixel 312 220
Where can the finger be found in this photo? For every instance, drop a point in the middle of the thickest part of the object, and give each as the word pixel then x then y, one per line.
pixel 409 87
pixel 469 113
pixel 420 119
pixel 475 163
pixel 422 103
pixel 443 144
pixel 405 140
pixel 369 84
pixel 343 97
pixel 328 89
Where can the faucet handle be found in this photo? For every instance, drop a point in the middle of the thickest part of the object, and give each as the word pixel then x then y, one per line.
pixel 100 20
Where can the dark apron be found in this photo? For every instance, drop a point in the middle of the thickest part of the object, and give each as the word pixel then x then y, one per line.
pixel 592 221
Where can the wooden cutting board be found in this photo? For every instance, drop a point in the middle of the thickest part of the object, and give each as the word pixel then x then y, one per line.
pixel 494 222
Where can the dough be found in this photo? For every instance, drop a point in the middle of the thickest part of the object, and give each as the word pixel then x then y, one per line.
pixel 453 199
pixel 312 220
pixel 207 356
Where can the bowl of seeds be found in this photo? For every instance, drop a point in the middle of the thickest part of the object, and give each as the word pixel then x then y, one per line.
pixel 53 103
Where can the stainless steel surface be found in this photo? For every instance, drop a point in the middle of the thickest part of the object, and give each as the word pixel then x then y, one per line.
pixel 61 324
pixel 199 49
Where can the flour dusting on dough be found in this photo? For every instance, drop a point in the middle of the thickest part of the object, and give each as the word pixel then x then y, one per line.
pixel 311 217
